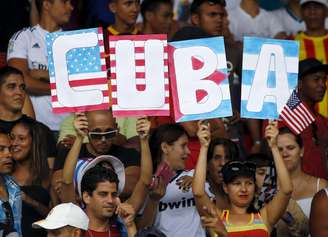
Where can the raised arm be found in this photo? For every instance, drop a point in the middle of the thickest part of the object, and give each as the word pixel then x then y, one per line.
pixel 141 190
pixel 81 126
pixel 275 209
pixel 198 184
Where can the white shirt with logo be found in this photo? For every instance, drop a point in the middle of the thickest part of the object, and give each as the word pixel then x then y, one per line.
pixel 30 44
pixel 177 214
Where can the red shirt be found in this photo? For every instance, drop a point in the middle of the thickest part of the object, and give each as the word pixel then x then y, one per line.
pixel 114 232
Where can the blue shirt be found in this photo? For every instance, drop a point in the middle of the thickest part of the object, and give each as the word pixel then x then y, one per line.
pixel 15 201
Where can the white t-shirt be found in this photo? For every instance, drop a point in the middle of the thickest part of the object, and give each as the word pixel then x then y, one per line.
pixel 242 24
pixel 30 44
pixel 177 214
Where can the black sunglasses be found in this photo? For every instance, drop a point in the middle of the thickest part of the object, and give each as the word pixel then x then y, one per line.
pixel 237 166
pixel 100 135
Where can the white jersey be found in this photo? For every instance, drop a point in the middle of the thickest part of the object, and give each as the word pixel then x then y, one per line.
pixel 30 44
pixel 177 214
pixel 242 24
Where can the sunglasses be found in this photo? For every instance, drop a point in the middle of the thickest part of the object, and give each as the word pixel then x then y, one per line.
pixel 236 166
pixel 100 135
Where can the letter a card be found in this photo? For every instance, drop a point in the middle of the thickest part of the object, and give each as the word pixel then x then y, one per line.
pixel 270 74
pixel 77 70
pixel 199 81
pixel 139 75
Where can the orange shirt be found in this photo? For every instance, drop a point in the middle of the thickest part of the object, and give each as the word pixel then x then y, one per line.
pixel 315 47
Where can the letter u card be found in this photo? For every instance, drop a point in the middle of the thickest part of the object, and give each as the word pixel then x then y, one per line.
pixel 139 75
pixel 270 74
pixel 77 70
pixel 199 81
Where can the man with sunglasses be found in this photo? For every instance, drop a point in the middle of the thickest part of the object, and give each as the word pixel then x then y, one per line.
pixel 10 195
pixel 101 132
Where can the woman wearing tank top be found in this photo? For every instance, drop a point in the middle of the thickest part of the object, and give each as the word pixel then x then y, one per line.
pixel 305 186
pixel 241 218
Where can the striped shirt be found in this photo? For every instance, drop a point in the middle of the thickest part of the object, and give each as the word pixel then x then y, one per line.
pixel 255 227
pixel 315 47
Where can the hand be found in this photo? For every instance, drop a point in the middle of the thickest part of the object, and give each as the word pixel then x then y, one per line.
pixel 143 127
pixel 212 222
pixel 271 133
pixel 68 141
pixel 81 124
pixel 203 133
pixel 235 118
pixel 126 212
pixel 158 190
pixel 184 183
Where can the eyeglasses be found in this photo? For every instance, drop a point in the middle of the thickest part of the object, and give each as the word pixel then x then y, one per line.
pixel 100 135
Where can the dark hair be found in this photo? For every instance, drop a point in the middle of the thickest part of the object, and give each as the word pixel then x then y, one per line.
pixel 230 148
pixel 196 4
pixel 286 130
pixel 96 175
pixel 39 5
pixel 168 133
pixel 6 71
pixel 152 6
pixel 38 151
pixel 259 159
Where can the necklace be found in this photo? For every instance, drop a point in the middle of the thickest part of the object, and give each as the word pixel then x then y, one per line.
pixel 91 235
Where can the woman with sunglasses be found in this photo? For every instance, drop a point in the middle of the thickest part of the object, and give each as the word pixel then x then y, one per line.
pixel 241 218
pixel 305 186
pixel 31 171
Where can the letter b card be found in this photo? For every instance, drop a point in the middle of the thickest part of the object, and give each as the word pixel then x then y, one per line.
pixel 199 81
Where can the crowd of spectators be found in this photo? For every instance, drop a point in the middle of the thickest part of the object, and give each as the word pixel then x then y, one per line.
pixel 90 174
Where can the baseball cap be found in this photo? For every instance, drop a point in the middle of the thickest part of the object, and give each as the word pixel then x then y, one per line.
pixel 83 165
pixel 323 2
pixel 234 169
pixel 311 65
pixel 65 214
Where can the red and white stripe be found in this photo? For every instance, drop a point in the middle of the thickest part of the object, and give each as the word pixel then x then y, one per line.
pixel 297 119
pixel 139 43
pixel 86 81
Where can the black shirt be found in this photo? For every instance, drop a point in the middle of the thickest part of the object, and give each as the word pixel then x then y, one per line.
pixel 128 156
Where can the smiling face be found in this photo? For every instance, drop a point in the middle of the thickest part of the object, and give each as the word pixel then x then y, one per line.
pixel 240 191
pixel 216 163
pixel 290 151
pixel 176 153
pixel 21 142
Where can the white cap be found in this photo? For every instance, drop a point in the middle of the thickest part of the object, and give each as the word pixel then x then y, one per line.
pixel 84 165
pixel 65 214
pixel 323 2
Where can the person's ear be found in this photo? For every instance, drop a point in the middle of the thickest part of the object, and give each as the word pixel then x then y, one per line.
pixel 112 6
pixel 225 188
pixel 195 19
pixel 86 197
pixel 165 147
pixel 149 16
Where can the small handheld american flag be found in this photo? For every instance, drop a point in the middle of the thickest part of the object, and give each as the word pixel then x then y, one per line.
pixel 296 115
